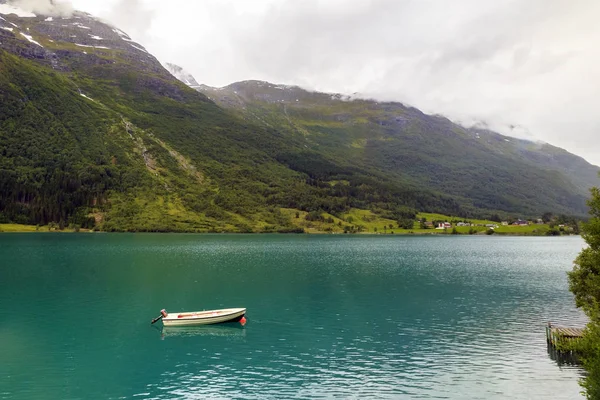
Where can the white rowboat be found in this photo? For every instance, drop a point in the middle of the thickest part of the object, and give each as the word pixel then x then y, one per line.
pixel 204 317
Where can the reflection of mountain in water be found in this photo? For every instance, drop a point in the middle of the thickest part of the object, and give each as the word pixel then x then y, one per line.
pixel 228 330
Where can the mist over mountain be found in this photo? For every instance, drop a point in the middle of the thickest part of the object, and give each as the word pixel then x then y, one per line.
pixel 182 75
pixel 42 7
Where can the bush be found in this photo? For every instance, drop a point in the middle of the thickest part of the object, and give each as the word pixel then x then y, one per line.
pixel 405 223
pixel 584 283
pixel 314 216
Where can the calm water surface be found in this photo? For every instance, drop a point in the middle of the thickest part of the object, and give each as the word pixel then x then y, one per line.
pixel 328 316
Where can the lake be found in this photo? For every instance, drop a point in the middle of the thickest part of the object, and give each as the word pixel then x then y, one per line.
pixel 402 317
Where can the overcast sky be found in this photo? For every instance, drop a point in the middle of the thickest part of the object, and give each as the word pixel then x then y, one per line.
pixel 529 64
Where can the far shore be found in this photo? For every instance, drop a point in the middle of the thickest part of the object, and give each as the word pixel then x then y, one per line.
pixel 19 228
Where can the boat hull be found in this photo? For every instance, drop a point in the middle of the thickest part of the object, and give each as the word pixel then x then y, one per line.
pixel 204 317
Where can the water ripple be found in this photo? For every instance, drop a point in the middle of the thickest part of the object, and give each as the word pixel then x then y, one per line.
pixel 329 317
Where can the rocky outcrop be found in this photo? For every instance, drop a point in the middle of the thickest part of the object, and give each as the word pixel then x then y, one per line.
pixel 72 41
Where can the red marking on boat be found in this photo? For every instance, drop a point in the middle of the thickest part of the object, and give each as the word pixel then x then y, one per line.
pixel 188 315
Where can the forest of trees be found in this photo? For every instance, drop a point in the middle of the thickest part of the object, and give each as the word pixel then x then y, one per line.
pixel 63 156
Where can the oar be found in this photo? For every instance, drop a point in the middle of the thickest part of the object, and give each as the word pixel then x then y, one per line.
pixel 163 313
pixel 156 319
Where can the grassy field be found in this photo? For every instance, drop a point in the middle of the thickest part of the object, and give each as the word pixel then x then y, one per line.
pixel 6 228
pixel 314 226
pixel 363 220
pixel 366 220
pixel 22 228
pixel 371 222
pixel 439 217
pixel 523 230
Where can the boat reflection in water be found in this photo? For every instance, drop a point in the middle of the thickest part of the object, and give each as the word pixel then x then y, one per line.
pixel 230 330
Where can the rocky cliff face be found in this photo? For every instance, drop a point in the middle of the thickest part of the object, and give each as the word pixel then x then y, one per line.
pixel 64 41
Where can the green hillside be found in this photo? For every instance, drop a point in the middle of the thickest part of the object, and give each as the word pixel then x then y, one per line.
pixel 122 145
pixel 481 170
pixel 103 137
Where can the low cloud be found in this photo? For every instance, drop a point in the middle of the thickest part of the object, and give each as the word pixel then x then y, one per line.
pixel 527 63
pixel 133 17
pixel 45 7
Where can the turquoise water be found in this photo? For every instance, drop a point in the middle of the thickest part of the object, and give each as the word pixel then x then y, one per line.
pixel 328 316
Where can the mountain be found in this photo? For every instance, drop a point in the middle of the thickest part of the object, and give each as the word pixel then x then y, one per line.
pixel 95 132
pixel 480 168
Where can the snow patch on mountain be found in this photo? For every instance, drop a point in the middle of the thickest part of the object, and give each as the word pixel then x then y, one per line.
pixel 79 25
pixel 123 35
pixel 89 98
pixel 94 47
pixel 30 38
pixel 138 48
pixel 181 74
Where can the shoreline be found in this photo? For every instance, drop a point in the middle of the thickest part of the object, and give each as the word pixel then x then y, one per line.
pixel 17 228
